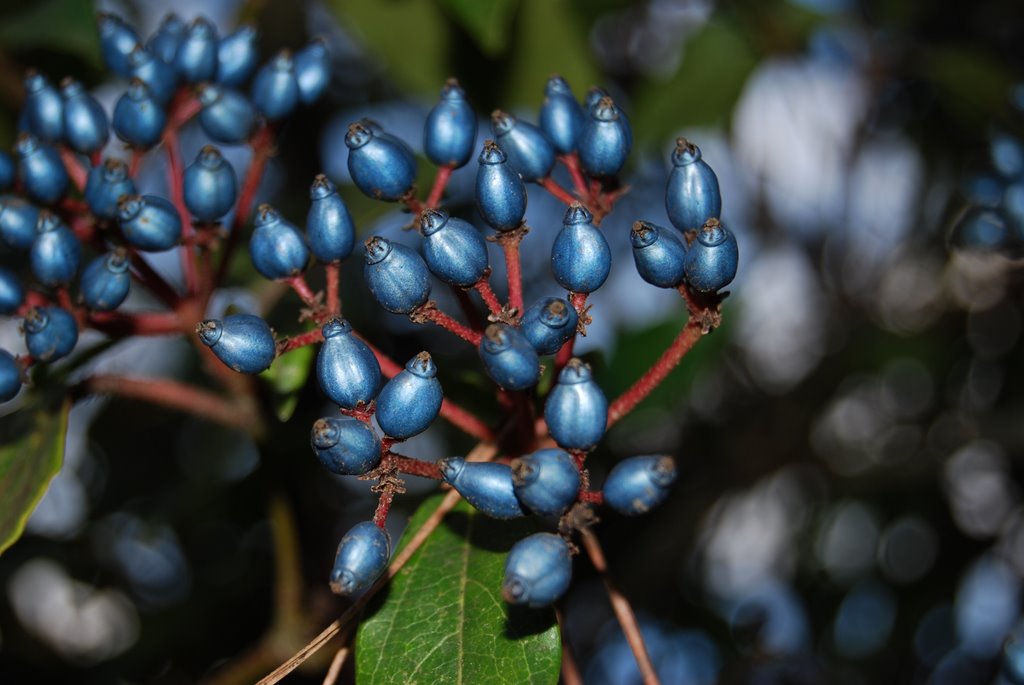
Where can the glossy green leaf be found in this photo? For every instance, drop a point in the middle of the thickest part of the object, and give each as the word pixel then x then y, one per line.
pixel 68 26
pixel 286 377
pixel 487 21
pixel 443 620
pixel 31 454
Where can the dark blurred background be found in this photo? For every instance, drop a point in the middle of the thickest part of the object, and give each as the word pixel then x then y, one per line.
pixel 850 441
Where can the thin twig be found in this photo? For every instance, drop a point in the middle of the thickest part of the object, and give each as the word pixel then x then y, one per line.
pixel 622 608
pixel 570 671
pixel 336 663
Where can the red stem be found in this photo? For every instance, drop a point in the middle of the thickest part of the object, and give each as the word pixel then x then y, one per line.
pixel 472 315
pixel 333 288
pixel 592 497
pixel 96 158
pixel 444 173
pixel 564 354
pixel 175 171
pixel 143 323
pixel 549 184
pixel 295 342
pixel 153 281
pixel 483 287
pixel 572 163
pixel 380 516
pixel 513 269
pixel 73 165
pixel 414 467
pixel 262 144
pixel 301 287
pixel 136 161
pixel 435 315
pixel 412 204
pixel 683 343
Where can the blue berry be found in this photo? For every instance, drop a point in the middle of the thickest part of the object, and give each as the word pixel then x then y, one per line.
pixel 117 40
pixel 210 185
pixel 580 257
pixel 548 324
pixel 397 277
pixel 362 556
pixel 227 116
pixel 312 70
pixel 409 402
pixel 537 571
pixel 105 185
pixel 138 119
pixel 528 149
pixel 244 342
pixel 345 446
pixel 508 358
pixel 980 228
pixel 329 226
pixel 18 219
pixel 55 253
pixel 500 193
pixel 692 195
pixel 7 171
pixel 660 254
pixel 454 250
pixel 105 281
pixel 576 410
pixel 41 170
pixel 275 90
pixel 277 248
pixel 164 43
pixel 561 117
pixel 546 482
pixel 450 130
pixel 346 368
pixel 1013 655
pixel 86 128
pixel 236 57
pixel 160 77
pixel 381 167
pixel 44 108
pixel 1007 154
pixel 196 59
pixel 50 333
pixel 10 376
pixel 485 485
pixel 12 293
pixel 638 484
pixel 149 222
pixel 712 259
pixel 605 140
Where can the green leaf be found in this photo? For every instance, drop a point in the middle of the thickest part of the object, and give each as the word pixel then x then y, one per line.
pixel 487 21
pixel 286 377
pixel 29 459
pixel 443 620
pixel 68 26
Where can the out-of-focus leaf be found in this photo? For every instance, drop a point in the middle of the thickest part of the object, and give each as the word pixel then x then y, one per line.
pixel 488 21
pixel 287 376
pixel 972 83
pixel 715 66
pixel 409 36
pixel 443 620
pixel 67 26
pixel 30 456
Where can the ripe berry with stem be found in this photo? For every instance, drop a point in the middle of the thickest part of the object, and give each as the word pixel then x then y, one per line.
pixel 409 402
pixel 50 333
pixel 362 556
pixel 508 358
pixel 244 342
pixel 580 256
pixel 105 281
pixel 450 129
pixel 548 324
pixel 209 185
pixel 277 248
pixel 692 195
pixel 659 254
pixel 41 170
pixel 329 226
pixel 346 369
pixel 397 277
pixel 381 167
pixel 713 257
pixel 528 149
pixel 638 484
pixel 345 446
pixel 55 253
pixel 485 485
pixel 546 482
pixel 138 119
pixel 149 222
pixel 500 192
pixel 537 571
pixel 105 185
pixel 86 128
pixel 453 249
pixel 576 410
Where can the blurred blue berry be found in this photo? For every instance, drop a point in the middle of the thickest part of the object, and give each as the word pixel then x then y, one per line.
pixel 196 59
pixel 561 117
pixel 105 281
pixel 537 571
pixel 164 43
pixel 18 219
pixel 105 185
pixel 117 40
pixel 160 77
pixel 138 119
pixel 449 133
pixel 275 89
pixel 528 149
pixel 41 170
pixel 227 116
pixel 12 292
pixel 312 70
pixel 638 484
pixel 7 171
pixel 86 128
pixel 149 222
pixel 50 333
pixel 55 253
pixel 43 110
pixel 508 358
pixel 10 376
pixel 237 55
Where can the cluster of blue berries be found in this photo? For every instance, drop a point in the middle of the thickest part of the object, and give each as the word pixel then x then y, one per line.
pixel 181 71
